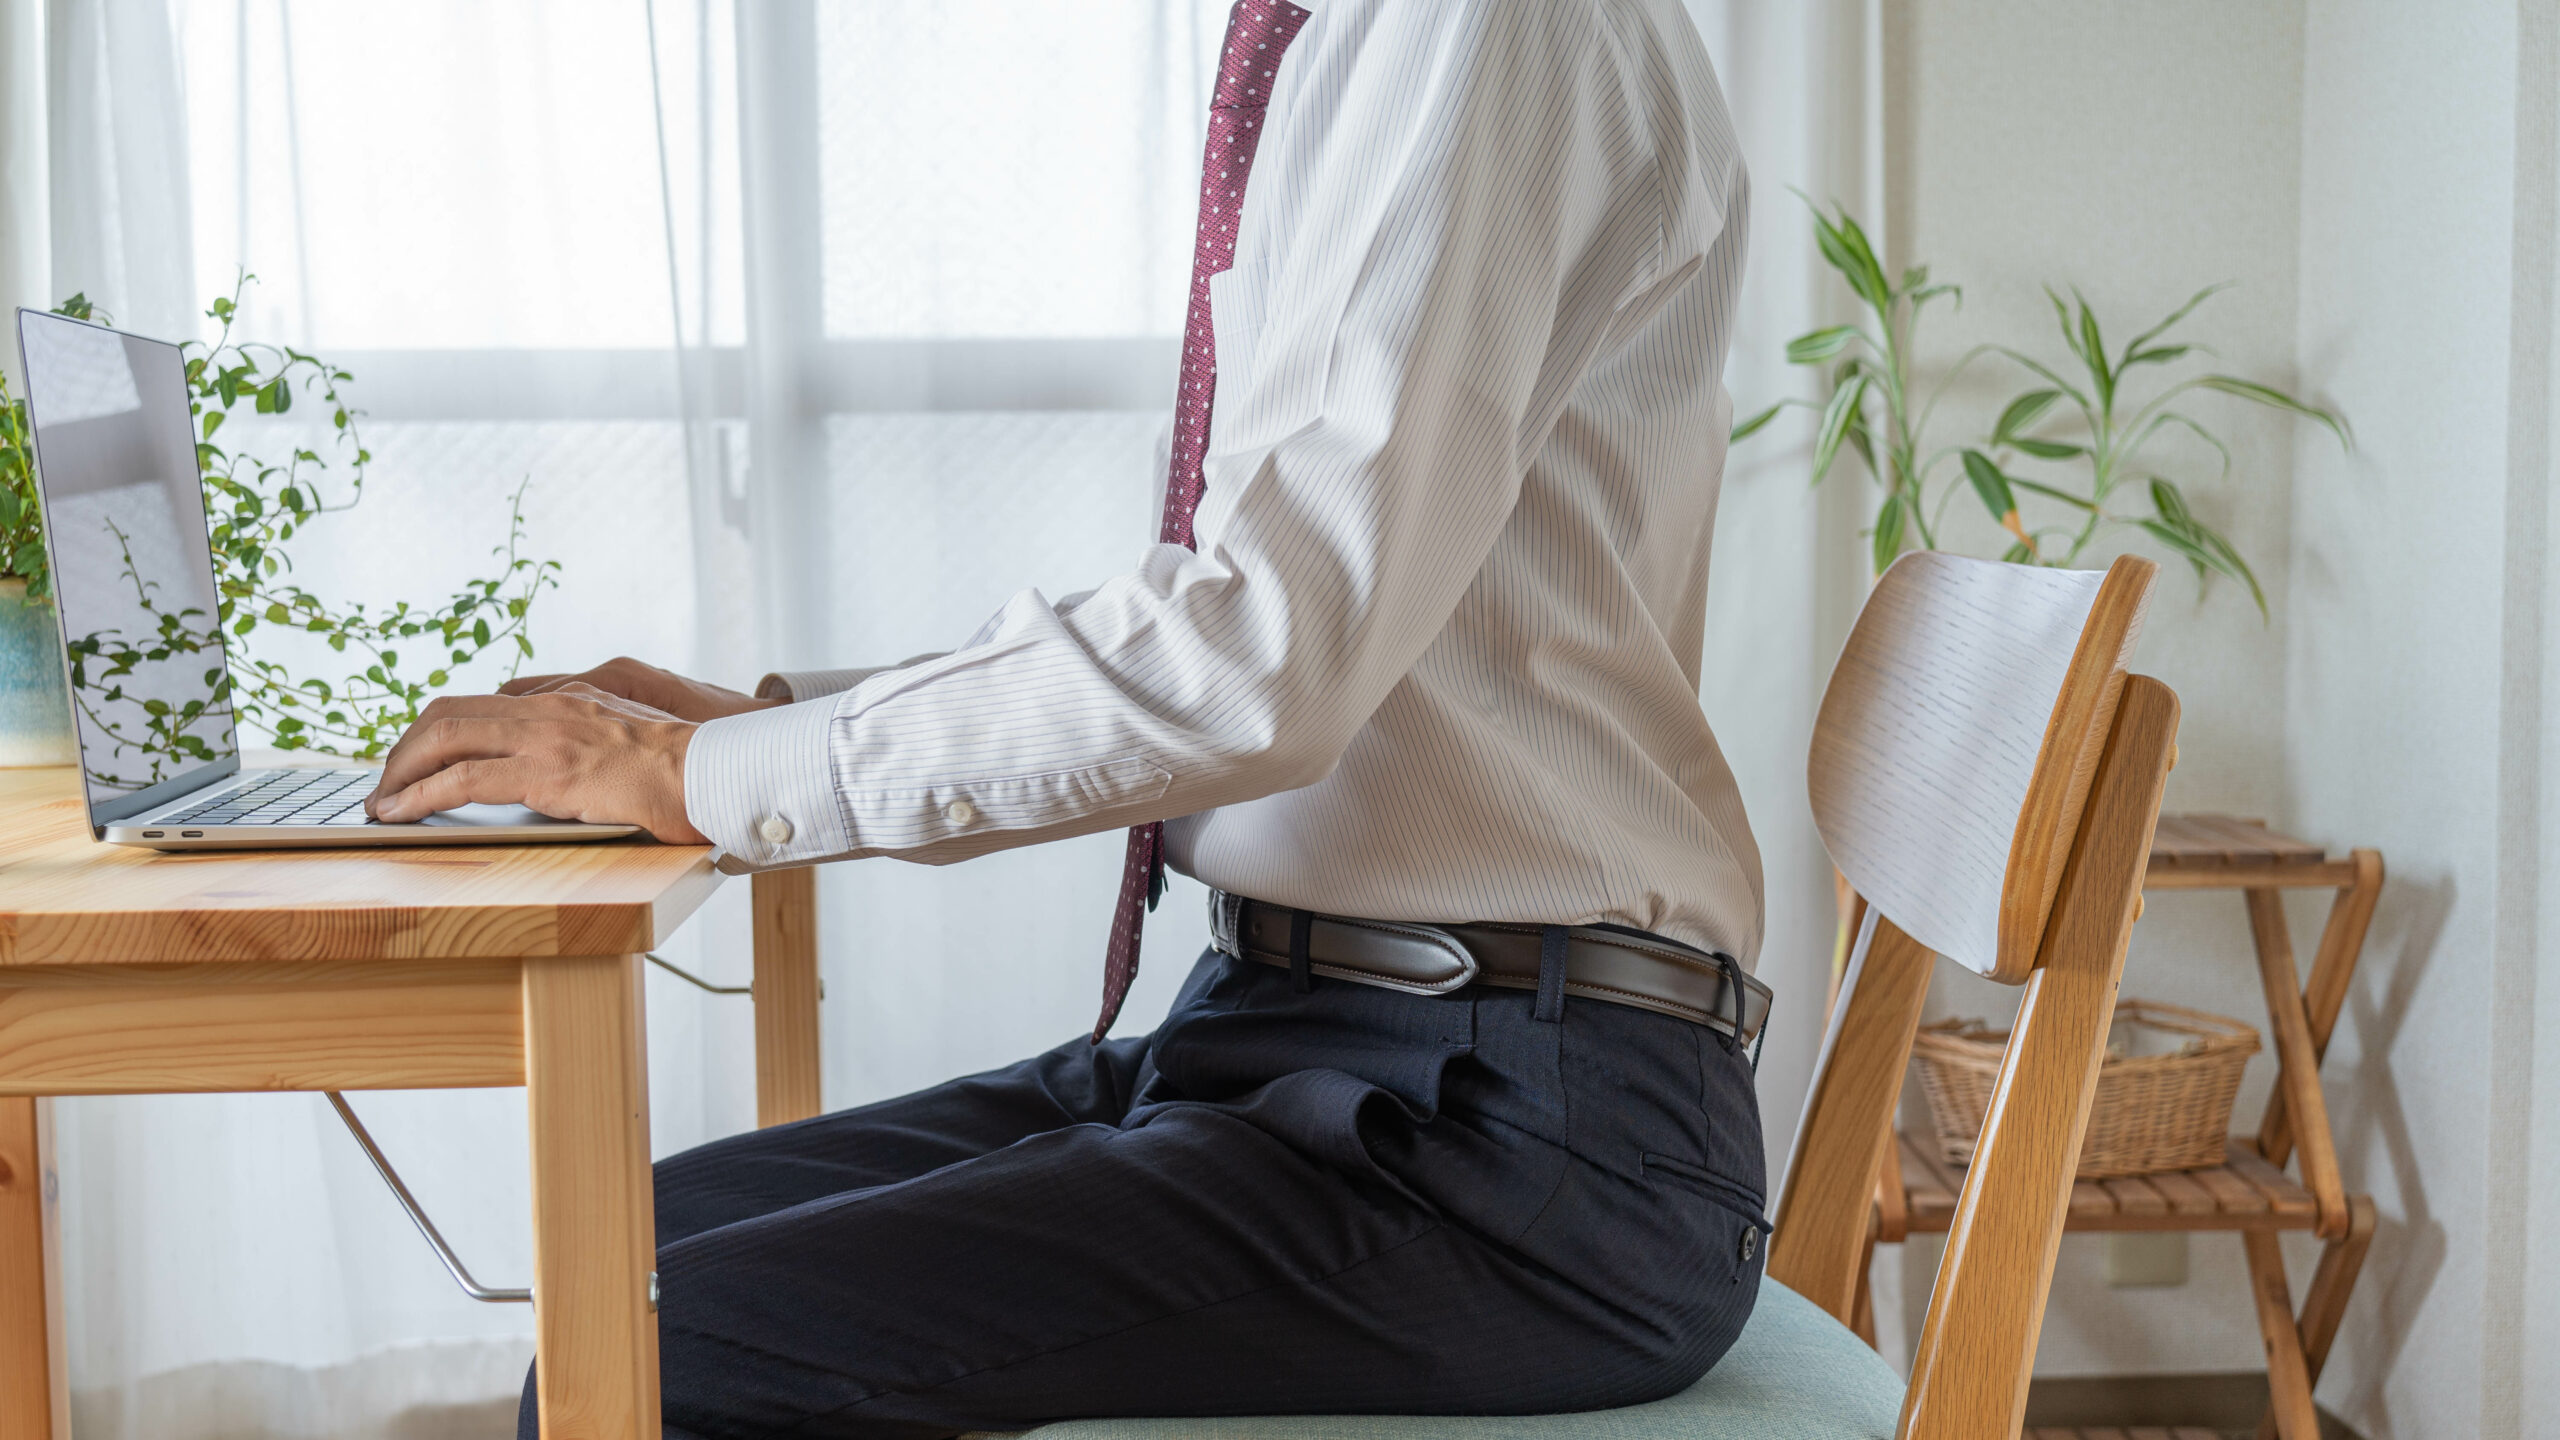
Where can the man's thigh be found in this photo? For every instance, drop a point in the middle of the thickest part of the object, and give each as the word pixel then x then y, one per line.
pixel 762 1171
pixel 1191 1265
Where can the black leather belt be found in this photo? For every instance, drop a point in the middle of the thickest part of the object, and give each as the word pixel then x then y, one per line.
pixel 1621 967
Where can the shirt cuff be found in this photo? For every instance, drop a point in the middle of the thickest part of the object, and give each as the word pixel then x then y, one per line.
pixel 762 786
pixel 799 685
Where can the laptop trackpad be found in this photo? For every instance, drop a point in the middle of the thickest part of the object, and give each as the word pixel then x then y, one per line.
pixel 480 815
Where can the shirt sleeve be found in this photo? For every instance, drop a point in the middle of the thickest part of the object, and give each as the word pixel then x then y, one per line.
pixel 1464 212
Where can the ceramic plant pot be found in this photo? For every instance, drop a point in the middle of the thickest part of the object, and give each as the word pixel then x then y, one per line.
pixel 35 703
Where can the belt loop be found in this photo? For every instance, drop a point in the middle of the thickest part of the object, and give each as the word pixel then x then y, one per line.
pixel 1552 940
pixel 1302 974
pixel 1733 988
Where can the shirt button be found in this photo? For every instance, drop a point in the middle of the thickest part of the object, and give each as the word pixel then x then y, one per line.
pixel 775 830
pixel 960 812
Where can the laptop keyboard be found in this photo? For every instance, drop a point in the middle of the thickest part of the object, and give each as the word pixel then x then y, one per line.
pixel 286 797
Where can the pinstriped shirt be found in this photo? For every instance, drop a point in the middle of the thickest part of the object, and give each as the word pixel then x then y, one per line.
pixel 1437 655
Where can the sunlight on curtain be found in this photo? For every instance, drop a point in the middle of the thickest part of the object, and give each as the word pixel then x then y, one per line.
pixel 840 358
pixel 1000 169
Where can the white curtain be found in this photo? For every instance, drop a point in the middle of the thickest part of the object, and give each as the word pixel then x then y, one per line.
pixel 817 328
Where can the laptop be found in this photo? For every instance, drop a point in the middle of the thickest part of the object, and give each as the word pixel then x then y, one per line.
pixel 133 572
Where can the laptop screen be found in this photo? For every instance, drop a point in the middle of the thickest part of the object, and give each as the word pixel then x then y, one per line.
pixel 132 564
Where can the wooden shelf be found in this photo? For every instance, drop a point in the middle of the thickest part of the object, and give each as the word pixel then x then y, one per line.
pixel 2249 1194
pixel 2243 1193
pixel 2218 852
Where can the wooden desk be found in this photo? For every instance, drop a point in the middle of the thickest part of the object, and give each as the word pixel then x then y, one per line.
pixel 125 971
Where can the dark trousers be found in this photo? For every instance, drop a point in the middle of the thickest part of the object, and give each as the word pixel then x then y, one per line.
pixel 1343 1200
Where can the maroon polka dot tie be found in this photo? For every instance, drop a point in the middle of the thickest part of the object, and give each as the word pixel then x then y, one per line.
pixel 1257 32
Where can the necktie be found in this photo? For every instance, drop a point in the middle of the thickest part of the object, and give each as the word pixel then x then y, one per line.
pixel 1257 32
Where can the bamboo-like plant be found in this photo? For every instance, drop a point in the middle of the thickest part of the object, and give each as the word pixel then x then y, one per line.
pixel 2107 442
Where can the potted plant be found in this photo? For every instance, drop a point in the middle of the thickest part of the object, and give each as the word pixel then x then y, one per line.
pixel 35 707
pixel 2085 414
pixel 259 497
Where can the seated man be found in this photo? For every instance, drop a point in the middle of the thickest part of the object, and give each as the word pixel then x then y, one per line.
pixel 1434 659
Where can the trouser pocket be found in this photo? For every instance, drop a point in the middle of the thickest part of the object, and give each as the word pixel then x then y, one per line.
pixel 1739 1233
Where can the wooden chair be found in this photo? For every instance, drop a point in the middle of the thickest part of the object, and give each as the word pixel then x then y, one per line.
pixel 1987 776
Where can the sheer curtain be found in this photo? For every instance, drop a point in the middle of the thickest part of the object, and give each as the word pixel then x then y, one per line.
pixel 814 329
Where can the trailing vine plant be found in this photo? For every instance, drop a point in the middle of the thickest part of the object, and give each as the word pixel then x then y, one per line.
pixel 257 502
pixel 2114 477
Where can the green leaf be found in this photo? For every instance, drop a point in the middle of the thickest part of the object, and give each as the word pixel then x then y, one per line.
pixel 1993 488
pixel 2062 317
pixel 2232 564
pixel 480 632
pixel 1875 287
pixel 2094 347
pixel 2184 544
pixel 2171 504
pixel 2156 355
pixel 1845 247
pixel 2050 493
pixel 1816 346
pixel 1835 425
pixel 1888 531
pixel 2273 398
pixel 2181 313
pixel 1755 424
pixel 2047 449
pixel 2022 412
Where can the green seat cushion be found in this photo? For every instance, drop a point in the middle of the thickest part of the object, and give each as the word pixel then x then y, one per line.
pixel 1795 1374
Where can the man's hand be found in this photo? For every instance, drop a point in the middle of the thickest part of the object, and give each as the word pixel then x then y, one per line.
pixel 573 752
pixel 662 690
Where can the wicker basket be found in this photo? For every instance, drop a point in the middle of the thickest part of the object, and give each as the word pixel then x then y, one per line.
pixel 2165 1110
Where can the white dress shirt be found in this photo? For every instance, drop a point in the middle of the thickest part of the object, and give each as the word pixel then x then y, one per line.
pixel 1437 655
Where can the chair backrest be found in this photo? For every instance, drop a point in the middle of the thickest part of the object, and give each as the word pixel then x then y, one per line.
pixel 1956 743
pixel 1986 776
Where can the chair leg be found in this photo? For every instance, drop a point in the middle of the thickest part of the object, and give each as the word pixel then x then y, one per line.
pixel 2289 1409
pixel 2325 1303
pixel 1862 1310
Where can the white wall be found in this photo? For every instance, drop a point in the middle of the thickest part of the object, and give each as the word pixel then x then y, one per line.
pixel 2418 662
pixel 2365 167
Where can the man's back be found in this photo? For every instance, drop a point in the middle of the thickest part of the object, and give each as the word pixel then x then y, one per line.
pixel 1546 757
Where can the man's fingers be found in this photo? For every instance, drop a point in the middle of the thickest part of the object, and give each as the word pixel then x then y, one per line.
pixel 499 781
pixel 530 684
pixel 432 745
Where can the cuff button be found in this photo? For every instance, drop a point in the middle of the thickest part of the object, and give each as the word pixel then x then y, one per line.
pixel 775 830
pixel 960 812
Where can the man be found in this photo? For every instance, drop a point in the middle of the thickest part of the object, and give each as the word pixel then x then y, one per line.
pixel 1448 439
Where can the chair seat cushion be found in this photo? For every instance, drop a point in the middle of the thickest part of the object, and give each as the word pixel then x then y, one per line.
pixel 1794 1374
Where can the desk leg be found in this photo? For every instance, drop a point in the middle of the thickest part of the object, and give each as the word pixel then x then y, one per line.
pixel 35 1389
pixel 786 944
pixel 594 1216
